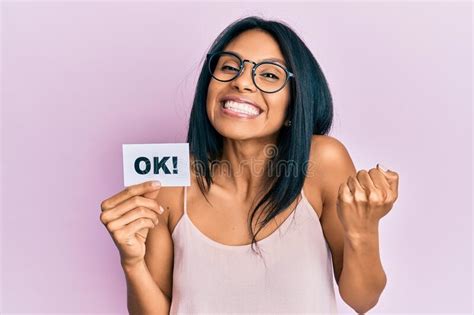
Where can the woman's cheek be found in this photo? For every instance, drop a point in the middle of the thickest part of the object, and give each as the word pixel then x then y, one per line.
pixel 277 115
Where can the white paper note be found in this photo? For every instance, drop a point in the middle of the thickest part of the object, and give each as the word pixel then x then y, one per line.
pixel 166 162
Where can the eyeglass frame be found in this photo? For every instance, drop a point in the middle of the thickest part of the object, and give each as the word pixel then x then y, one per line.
pixel 242 67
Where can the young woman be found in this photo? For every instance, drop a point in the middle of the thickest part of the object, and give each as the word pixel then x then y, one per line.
pixel 275 209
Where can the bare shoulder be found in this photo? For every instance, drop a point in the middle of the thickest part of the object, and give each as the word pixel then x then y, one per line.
pixel 324 147
pixel 170 198
pixel 329 159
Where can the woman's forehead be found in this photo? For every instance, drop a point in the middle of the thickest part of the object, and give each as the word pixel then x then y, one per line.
pixel 256 46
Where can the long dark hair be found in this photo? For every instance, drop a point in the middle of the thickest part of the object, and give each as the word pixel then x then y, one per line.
pixel 310 111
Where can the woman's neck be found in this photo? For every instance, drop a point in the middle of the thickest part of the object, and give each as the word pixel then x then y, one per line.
pixel 242 167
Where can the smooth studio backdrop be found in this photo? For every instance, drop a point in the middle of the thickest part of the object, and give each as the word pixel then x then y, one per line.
pixel 79 79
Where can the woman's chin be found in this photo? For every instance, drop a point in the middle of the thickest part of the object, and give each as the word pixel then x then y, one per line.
pixel 233 133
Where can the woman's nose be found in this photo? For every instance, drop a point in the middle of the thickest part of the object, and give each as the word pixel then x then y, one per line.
pixel 244 80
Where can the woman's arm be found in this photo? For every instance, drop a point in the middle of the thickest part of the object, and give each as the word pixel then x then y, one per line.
pixel 143 294
pixel 356 257
pixel 149 284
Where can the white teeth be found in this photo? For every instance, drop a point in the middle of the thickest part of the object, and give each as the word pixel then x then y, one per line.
pixel 241 108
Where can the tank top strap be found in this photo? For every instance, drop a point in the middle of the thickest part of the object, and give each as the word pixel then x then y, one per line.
pixel 302 194
pixel 185 200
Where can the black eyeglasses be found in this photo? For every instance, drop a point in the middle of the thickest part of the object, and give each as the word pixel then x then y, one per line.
pixel 268 76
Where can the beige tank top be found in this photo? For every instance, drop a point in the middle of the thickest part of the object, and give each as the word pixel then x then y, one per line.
pixel 294 274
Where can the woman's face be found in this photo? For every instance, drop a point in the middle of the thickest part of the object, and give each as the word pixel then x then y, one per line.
pixel 235 120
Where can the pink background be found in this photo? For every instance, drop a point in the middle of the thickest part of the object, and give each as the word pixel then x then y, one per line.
pixel 80 79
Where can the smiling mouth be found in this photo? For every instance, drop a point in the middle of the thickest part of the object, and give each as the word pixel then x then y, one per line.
pixel 240 109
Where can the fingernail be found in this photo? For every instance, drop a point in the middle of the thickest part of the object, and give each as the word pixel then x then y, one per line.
pixel 382 167
pixel 161 210
pixel 156 183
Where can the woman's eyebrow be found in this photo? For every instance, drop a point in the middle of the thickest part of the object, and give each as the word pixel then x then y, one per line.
pixel 274 59
pixel 266 59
